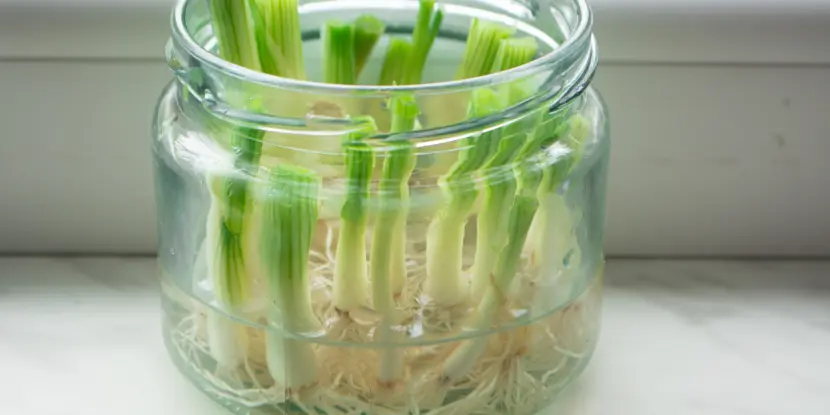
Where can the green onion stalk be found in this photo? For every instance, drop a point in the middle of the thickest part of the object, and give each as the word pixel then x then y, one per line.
pixel 339 62
pixel 553 220
pixel 262 35
pixel 350 275
pixel 388 257
pixel 405 59
pixel 479 55
pixel 427 27
pixel 348 46
pixel 394 63
pixel 279 39
pixel 228 248
pixel 528 178
pixel 289 221
pixel 444 284
pixel 499 180
pixel 488 44
pixel 367 32
pixel 533 180
pixel 480 52
pixel 346 49
pixel 482 48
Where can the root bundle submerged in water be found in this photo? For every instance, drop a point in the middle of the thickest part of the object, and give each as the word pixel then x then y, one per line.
pixel 521 369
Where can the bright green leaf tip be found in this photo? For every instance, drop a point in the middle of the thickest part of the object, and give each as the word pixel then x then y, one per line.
pixel 483 44
pixel 279 38
pixel 368 30
pixel 339 53
pixel 514 52
pixel 395 62
pixel 233 27
pixel 427 27
pixel 370 24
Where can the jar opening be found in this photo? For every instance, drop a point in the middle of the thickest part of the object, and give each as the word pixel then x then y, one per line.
pixel 562 27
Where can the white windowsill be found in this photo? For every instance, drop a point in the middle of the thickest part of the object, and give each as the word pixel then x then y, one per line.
pixel 83 337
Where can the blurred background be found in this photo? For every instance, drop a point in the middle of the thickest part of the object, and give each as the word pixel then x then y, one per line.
pixel 720 121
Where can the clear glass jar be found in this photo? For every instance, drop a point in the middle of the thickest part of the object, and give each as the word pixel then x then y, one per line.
pixel 498 323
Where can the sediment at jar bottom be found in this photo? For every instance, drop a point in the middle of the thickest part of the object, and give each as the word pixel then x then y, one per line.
pixel 522 367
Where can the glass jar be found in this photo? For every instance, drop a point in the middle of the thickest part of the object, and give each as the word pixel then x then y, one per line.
pixel 302 274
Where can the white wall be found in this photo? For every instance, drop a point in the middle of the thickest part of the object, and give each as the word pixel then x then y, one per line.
pixel 712 156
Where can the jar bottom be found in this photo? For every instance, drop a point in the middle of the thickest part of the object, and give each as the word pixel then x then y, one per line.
pixel 521 372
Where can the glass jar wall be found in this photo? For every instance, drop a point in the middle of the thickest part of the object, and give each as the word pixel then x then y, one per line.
pixel 315 259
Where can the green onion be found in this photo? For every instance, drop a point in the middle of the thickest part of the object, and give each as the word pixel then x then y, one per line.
pixel 350 284
pixel 339 61
pixel 405 61
pixel 289 221
pixel 482 47
pixel 367 33
pixel 500 183
pixel 395 62
pixel 279 38
pixel 388 257
pixel 226 241
pixel 520 218
pixel 393 72
pixel 426 30
pixel 514 52
pixel 493 151
pixel 260 35
pixel 233 28
pixel 404 119
pixel 388 262
pixel 533 182
pixel 550 220
pixel 445 236
pixel 464 358
pixel 480 53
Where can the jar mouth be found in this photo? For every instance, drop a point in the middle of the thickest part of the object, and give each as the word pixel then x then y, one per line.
pixel 575 43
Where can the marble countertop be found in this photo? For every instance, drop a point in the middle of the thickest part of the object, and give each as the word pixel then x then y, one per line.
pixel 81 336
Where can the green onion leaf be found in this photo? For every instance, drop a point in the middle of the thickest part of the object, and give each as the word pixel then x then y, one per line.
pixel 514 52
pixel 339 53
pixel 395 62
pixel 367 33
pixel 482 46
pixel 234 31
pixel 350 279
pixel 279 38
pixel 426 30
pixel 289 221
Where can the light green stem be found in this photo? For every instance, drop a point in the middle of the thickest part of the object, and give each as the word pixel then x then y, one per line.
pixel 388 260
pixel 427 27
pixel 464 358
pixel 279 38
pixel 227 226
pixel 339 63
pixel 445 239
pixel 368 30
pixel 350 279
pixel 289 221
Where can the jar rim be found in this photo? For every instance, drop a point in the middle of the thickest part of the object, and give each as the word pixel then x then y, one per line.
pixel 575 43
